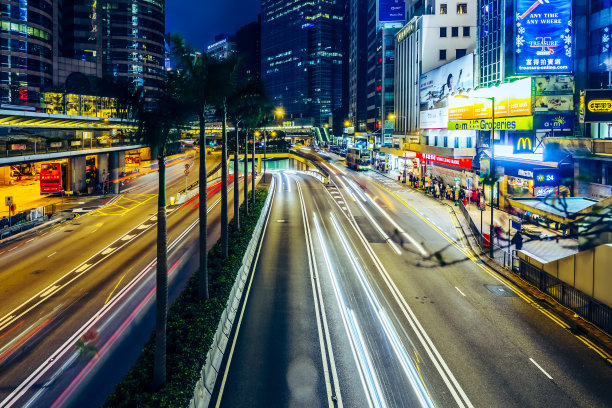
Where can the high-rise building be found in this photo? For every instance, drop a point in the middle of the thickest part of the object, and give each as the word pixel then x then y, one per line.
pixel 133 40
pixel 302 57
pixel 223 47
pixel 68 43
pixel 357 61
pixel 248 46
pixel 26 50
pixel 385 19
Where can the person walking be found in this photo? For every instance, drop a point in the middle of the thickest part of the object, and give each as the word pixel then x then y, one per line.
pixel 517 240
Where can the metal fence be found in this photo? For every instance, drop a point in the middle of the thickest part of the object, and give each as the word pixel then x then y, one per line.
pixel 570 297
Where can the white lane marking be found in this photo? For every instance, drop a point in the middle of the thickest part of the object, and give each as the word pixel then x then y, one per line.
pixel 344 208
pixel 324 342
pixel 541 369
pixel 246 298
pixel 49 291
pixel 30 240
pixel 127 237
pixel 50 255
pixel 380 231
pixel 81 268
pixel 108 251
pixel 460 291
pixel 143 226
pixel 12 249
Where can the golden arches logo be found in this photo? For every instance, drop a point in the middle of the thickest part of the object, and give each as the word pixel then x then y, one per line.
pixel 600 105
pixel 524 141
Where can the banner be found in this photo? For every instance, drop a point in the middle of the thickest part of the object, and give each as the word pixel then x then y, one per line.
pixel 543 36
pixel 547 103
pixel 562 122
pixel 554 84
pixel 519 123
pixel 464 163
pixel 438 85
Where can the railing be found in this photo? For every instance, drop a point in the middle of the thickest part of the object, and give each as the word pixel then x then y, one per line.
pixel 570 297
pixel 43 147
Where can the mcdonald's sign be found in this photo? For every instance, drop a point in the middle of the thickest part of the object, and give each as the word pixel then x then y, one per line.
pixel 523 144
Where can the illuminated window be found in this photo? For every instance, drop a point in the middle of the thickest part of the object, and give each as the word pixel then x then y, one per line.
pixel 461 8
pixel 443 8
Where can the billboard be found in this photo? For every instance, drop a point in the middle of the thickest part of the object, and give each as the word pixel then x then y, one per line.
pixel 547 103
pixel 598 105
pixel 543 37
pixel 437 86
pixel 555 84
pixel 511 99
pixel 524 143
pixel 391 10
pixel 518 123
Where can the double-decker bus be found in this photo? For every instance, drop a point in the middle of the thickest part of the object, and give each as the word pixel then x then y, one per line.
pixel 50 178
pixel 358 159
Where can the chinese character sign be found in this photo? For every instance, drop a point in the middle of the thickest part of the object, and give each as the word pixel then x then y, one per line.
pixel 543 36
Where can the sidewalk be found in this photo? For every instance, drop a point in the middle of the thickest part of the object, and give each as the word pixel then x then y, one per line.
pixel 544 243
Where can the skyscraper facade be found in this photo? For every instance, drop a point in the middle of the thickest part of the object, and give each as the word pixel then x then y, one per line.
pixel 357 60
pixel 302 57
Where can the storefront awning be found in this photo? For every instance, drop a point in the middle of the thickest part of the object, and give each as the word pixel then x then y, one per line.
pixel 559 209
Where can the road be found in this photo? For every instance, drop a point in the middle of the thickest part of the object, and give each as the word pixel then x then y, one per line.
pixel 92 275
pixel 377 301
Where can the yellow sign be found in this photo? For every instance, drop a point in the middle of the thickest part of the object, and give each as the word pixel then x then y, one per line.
pixel 518 123
pixel 600 106
pixel 524 141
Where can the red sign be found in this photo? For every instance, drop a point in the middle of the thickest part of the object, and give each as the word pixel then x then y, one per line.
pixel 50 178
pixel 464 163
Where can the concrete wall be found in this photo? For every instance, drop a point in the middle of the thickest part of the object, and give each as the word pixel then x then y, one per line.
pixel 76 174
pixel 588 271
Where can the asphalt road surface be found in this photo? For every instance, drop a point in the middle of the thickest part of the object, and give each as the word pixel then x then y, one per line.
pixel 92 279
pixel 366 294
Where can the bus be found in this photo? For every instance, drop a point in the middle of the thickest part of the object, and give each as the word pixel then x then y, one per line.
pixel 50 178
pixel 358 159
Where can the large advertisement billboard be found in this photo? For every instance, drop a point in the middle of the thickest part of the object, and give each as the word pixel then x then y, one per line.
pixel 543 37
pixel 437 86
pixel 391 10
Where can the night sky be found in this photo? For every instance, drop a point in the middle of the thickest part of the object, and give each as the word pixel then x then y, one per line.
pixel 200 20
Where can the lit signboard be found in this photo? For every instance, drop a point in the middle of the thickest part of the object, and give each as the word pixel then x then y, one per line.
pixel 519 123
pixel 543 36
pixel 464 163
pixel 598 105
pixel 523 143
pixel 391 10
pixel 511 99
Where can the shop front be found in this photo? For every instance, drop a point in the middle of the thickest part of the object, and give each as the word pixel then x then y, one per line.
pixel 451 171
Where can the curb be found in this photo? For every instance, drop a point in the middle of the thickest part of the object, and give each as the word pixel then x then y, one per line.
pixel 210 371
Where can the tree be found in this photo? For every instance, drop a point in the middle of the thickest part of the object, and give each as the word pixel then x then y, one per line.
pixel 158 125
pixel 195 67
pixel 221 77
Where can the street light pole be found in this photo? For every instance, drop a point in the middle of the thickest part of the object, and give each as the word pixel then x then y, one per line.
pixel 493 176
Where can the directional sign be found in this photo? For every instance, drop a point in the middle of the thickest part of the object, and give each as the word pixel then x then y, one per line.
pixel 8 200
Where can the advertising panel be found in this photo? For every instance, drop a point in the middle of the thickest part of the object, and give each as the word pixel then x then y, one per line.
pixel 433 119
pixel 560 122
pixel 391 10
pixel 50 178
pixel 547 103
pixel 543 37
pixel 598 105
pixel 464 163
pixel 518 123
pixel 554 84
pixel 511 99
pixel 436 86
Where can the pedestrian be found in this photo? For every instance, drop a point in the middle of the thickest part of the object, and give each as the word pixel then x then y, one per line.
pixel 498 232
pixel 517 240
pixel 437 190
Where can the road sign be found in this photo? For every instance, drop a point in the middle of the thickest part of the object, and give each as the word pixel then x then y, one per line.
pixel 8 201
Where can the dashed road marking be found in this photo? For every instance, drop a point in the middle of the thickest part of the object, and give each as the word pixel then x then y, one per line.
pixel 107 251
pixel 463 294
pixel 82 268
pixel 541 369
pixel 127 237
pixel 49 291
pixel 50 255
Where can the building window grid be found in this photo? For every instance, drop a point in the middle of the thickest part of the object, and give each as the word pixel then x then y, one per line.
pixel 490 22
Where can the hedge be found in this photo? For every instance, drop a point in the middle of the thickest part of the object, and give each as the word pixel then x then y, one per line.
pixel 191 328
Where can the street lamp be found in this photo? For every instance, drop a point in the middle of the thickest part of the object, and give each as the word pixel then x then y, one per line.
pixel 280 112
pixel 492 169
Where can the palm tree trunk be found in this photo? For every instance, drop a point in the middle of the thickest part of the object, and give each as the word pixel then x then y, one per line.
pixel 246 172
pixel 253 174
pixel 224 249
pixel 159 370
pixel 236 183
pixel 203 214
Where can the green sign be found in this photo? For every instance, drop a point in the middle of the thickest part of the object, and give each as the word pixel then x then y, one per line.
pixel 516 123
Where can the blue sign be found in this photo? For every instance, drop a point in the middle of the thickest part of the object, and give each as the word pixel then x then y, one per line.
pixel 543 36
pixel 558 124
pixel 391 10
pixel 516 225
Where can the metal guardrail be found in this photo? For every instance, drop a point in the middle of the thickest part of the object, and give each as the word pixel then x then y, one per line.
pixel 30 148
pixel 570 297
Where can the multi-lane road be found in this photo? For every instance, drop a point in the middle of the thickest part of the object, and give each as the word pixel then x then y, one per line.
pixel 365 293
pixel 92 279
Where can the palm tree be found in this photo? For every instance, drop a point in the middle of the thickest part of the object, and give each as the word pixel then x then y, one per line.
pixel 196 69
pixel 221 74
pixel 158 125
